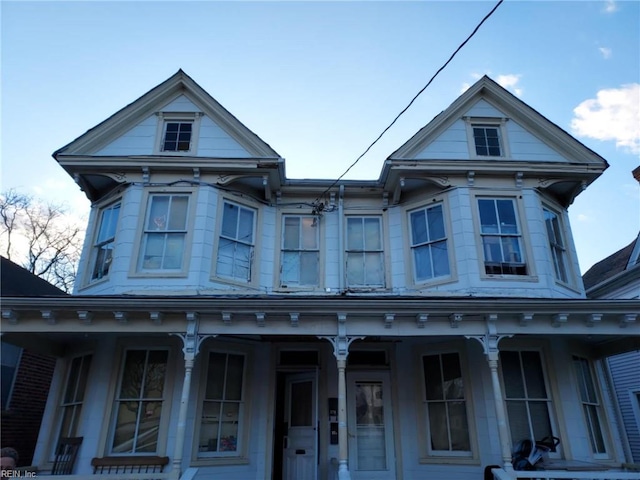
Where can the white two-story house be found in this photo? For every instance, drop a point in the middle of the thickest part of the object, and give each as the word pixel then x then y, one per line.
pixel 250 326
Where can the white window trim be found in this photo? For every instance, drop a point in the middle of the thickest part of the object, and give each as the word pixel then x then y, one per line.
pixel 441 457
pixel 383 250
pixel 241 455
pixel 167 117
pixel 497 122
pixel 134 269
pixel 256 257
pixel 570 282
pixel 277 284
pixel 523 234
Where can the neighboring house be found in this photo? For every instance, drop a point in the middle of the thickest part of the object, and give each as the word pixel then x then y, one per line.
pixel 252 326
pixel 26 372
pixel 618 276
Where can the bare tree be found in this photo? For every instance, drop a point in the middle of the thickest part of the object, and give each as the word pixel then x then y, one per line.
pixel 42 237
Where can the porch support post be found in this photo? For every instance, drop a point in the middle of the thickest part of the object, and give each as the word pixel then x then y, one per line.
pixel 489 343
pixel 191 346
pixel 341 344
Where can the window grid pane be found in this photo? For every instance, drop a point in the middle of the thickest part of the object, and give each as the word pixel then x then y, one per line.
pixel 428 243
pixel 501 237
pixel 177 137
pixel 300 251
pixel 236 243
pixel 445 403
pixel 222 405
pixel 365 258
pixel 487 140
pixel 165 232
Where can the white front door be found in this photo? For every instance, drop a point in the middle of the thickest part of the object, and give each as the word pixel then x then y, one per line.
pixel 301 437
pixel 370 422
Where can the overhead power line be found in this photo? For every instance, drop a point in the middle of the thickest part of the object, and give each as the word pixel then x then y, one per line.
pixel 486 17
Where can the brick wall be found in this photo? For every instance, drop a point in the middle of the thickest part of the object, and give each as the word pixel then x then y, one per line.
pixel 21 422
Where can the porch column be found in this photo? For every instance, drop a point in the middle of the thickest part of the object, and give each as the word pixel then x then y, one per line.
pixel 191 341
pixel 341 344
pixel 489 343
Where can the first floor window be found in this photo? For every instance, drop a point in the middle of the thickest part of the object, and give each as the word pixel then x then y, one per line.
pixel 365 257
pixel 165 231
pixel 236 242
pixel 526 395
pixel 501 237
pixel 222 406
pixel 10 358
pixel 139 402
pixel 429 243
pixel 556 244
pixel 71 404
pixel 446 405
pixel 300 251
pixel 590 404
pixel 103 246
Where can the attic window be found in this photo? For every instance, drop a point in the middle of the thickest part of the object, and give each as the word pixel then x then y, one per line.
pixel 487 140
pixel 177 137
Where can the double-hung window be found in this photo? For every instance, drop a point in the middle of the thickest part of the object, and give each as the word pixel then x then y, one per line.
pixel 10 359
pixel 221 423
pixel 236 243
pixel 71 404
pixel 590 404
pixel 556 244
pixel 300 255
pixel 446 405
pixel 103 245
pixel 501 237
pixel 429 243
pixel 165 231
pixel 526 395
pixel 365 257
pixel 139 402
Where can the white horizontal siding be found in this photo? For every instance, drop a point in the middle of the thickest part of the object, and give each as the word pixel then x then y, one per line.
pixel 482 108
pixel 215 142
pixel 527 147
pixel 181 104
pixel 451 144
pixel 139 140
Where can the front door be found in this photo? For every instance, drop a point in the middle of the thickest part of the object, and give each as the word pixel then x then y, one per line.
pixel 371 445
pixel 301 421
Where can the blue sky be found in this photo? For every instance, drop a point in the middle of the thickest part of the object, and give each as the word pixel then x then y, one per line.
pixel 319 81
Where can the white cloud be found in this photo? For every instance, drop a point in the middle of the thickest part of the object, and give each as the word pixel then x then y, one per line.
pixel 610 6
pixel 613 115
pixel 606 52
pixel 583 218
pixel 510 82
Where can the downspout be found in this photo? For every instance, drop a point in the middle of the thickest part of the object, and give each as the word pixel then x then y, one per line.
pixel 341 278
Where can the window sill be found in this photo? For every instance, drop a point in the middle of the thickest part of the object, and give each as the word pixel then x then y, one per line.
pixel 159 274
pixel 93 283
pixel 510 278
pixel 216 461
pixel 457 460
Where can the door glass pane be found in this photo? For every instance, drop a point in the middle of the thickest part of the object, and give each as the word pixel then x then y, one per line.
pixel 301 404
pixel 370 429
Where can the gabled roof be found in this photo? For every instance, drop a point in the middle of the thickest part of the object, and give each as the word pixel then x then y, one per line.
pixel 15 281
pixel 613 265
pixel 178 84
pixel 513 108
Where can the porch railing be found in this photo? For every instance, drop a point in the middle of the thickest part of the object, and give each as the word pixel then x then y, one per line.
pixel 501 474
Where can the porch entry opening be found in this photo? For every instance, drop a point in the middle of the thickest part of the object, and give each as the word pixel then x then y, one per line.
pixel 370 426
pixel 296 431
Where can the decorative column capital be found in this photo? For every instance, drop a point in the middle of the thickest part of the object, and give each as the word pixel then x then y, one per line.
pixel 191 340
pixel 341 341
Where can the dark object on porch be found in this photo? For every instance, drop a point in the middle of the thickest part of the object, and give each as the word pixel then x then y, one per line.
pixel 487 471
pixel 142 464
pixel 66 454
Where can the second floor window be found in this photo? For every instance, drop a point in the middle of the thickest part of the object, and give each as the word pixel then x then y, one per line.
pixel 103 246
pixel 556 244
pixel 236 242
pixel 501 237
pixel 165 232
pixel 365 257
pixel 300 251
pixel 429 243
